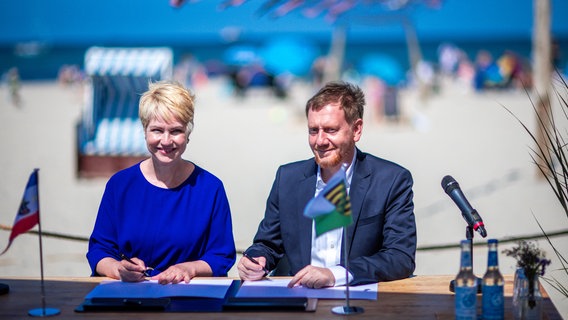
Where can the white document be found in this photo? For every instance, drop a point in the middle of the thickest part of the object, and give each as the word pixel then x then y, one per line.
pixel 201 288
pixel 278 288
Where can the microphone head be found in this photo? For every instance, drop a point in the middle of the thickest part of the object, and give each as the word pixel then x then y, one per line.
pixel 449 184
pixel 482 231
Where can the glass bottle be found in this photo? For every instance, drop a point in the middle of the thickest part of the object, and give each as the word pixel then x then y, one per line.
pixel 527 297
pixel 465 286
pixel 520 289
pixel 532 300
pixel 492 302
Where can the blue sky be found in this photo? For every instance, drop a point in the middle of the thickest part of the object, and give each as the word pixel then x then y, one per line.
pixel 155 22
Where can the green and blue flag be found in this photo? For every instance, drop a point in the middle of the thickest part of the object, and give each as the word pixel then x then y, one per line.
pixel 331 208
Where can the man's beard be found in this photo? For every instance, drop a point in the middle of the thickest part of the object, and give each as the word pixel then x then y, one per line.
pixel 330 161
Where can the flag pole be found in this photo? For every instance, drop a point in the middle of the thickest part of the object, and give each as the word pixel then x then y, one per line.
pixel 347 309
pixel 43 311
pixel 346 268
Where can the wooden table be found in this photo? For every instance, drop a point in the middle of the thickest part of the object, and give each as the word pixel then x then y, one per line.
pixel 421 297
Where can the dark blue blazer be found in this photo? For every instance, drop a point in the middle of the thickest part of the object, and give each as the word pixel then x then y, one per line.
pixel 381 240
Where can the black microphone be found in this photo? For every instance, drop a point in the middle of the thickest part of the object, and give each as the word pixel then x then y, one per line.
pixel 452 188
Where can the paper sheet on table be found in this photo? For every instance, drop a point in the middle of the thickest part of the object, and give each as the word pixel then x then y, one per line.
pixel 198 288
pixel 278 288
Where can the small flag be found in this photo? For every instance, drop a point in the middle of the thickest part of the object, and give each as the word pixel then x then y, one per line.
pixel 331 209
pixel 28 213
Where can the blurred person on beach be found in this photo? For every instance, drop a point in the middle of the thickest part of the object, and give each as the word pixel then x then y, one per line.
pixel 318 71
pixel 12 79
pixel 375 88
pixel 255 75
pixel 190 72
pixel 382 237
pixel 487 74
pixel 70 75
pixel 465 72
pixel 514 71
pixel 164 218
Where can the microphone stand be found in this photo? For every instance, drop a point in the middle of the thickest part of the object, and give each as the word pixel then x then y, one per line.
pixel 469 236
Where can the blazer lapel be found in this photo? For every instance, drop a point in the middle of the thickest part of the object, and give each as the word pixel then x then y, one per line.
pixel 306 190
pixel 357 193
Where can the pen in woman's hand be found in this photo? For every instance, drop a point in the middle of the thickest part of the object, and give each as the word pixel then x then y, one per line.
pixel 124 257
pixel 253 260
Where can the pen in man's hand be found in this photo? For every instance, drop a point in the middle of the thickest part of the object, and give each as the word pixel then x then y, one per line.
pixel 124 257
pixel 253 260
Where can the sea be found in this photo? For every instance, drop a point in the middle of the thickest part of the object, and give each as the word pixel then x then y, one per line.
pixel 39 61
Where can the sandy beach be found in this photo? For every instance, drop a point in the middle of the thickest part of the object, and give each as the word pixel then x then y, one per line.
pixel 243 141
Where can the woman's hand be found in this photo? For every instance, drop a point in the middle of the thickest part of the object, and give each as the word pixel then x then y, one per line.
pixel 184 272
pixel 122 270
pixel 132 270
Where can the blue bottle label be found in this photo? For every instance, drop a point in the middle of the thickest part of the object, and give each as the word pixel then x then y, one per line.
pixel 466 303
pixel 492 259
pixel 493 303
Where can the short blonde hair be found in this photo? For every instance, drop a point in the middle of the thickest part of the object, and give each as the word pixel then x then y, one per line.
pixel 167 100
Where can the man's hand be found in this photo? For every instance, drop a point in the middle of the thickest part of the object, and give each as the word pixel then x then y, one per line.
pixel 249 270
pixel 313 277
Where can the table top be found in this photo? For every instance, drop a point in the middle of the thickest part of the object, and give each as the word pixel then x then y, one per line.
pixel 423 297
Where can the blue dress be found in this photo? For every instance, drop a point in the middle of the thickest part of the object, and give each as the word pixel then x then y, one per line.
pixel 164 227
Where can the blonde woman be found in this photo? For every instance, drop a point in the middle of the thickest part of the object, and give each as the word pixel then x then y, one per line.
pixel 164 218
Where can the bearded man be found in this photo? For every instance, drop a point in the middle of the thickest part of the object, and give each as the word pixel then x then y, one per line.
pixel 381 241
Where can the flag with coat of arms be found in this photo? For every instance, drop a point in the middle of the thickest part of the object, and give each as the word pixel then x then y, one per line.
pixel 331 208
pixel 28 213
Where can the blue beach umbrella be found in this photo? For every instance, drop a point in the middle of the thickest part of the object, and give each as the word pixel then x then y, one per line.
pixel 241 55
pixel 289 55
pixel 382 66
